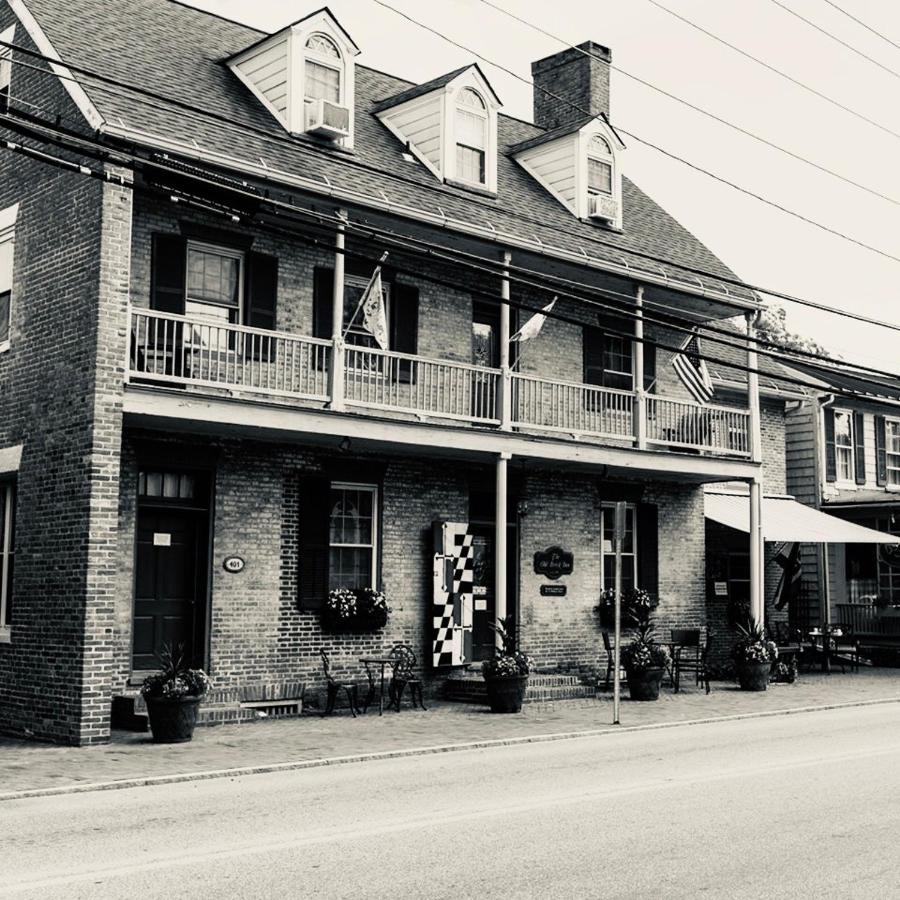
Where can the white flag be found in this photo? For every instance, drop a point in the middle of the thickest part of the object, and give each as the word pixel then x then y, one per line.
pixel 371 303
pixel 532 328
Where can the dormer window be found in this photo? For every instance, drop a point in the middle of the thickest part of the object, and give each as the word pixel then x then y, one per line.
pixel 324 70
pixel 471 137
pixel 600 166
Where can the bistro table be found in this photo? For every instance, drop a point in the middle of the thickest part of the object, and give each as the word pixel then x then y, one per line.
pixel 826 636
pixel 383 662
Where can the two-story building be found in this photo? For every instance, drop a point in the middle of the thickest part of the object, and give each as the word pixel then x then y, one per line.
pixel 198 438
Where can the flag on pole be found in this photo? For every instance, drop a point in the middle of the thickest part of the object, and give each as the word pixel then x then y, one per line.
pixel 532 328
pixel 371 303
pixel 692 370
pixel 791 576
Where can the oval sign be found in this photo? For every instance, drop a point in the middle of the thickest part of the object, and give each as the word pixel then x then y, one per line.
pixel 233 564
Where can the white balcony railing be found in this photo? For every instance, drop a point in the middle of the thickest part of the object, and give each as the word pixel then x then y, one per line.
pixel 574 408
pixel 175 350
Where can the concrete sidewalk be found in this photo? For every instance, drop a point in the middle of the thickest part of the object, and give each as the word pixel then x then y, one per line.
pixel 311 740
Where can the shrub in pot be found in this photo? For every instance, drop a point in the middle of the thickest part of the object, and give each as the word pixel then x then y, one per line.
pixel 506 672
pixel 753 656
pixel 173 697
pixel 645 663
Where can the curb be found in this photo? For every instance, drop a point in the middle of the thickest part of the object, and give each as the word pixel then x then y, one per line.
pixel 270 768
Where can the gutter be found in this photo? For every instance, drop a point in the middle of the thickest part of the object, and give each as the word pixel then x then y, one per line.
pixel 343 195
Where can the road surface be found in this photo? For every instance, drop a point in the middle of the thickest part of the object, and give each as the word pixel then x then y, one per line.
pixel 797 806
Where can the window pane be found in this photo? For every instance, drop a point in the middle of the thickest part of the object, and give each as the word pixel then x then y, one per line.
pixel 154 484
pixel 213 277
pixel 323 45
pixel 351 567
pixel 599 176
pixel 470 129
pixel 4 316
pixel 843 429
pixel 469 165
pixel 322 82
pixel 170 485
pixel 6 265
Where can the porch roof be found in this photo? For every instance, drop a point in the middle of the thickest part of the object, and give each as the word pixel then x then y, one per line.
pixel 784 519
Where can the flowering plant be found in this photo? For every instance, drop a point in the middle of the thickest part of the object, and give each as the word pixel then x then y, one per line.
pixel 753 646
pixel 507 662
pixel 341 604
pixel 637 604
pixel 371 608
pixel 175 679
pixel 644 653
pixel 362 609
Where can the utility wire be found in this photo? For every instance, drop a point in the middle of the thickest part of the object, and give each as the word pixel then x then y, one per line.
pixel 673 156
pixel 699 109
pixel 835 38
pixel 776 71
pixel 402 245
pixel 859 21
pixel 203 115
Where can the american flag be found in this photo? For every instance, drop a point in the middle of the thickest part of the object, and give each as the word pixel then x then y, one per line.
pixel 692 370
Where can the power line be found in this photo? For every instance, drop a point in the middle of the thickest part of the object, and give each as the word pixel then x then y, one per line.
pixel 859 21
pixel 202 115
pixel 489 266
pixel 835 38
pixel 673 156
pixel 776 71
pixel 699 109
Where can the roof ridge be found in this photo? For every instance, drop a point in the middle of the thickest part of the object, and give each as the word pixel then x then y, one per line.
pixel 214 15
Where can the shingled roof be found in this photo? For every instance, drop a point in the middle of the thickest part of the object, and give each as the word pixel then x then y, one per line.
pixel 179 51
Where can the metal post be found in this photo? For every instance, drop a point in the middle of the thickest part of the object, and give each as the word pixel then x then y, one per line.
pixel 825 613
pixel 757 548
pixel 618 541
pixel 505 372
pixel 500 549
pixel 640 412
pixel 336 370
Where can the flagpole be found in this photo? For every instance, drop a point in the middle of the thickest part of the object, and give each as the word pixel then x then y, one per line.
pixel 505 374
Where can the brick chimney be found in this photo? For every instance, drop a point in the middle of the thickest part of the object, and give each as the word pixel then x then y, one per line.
pixel 579 75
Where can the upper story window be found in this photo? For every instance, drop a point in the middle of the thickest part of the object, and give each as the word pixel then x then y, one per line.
pixel 608 360
pixel 324 70
pixel 892 451
pixel 600 166
pixel 6 67
pixel 213 290
pixel 843 445
pixel 354 288
pixel 7 549
pixel 7 247
pixel 471 137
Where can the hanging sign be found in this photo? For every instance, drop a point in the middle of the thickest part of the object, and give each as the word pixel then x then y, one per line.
pixel 233 564
pixel 554 562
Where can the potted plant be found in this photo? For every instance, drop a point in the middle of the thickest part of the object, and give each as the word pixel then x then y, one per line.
pixel 637 605
pixel 339 611
pixel 173 696
pixel 753 656
pixel 371 609
pixel 644 661
pixel 362 609
pixel 506 672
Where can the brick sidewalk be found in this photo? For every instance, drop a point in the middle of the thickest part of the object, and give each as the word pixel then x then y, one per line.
pixel 28 766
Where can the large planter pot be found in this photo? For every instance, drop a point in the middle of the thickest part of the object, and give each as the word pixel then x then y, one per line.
pixel 644 685
pixel 505 695
pixel 753 676
pixel 172 721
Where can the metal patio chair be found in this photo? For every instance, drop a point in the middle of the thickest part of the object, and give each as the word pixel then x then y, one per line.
pixel 335 687
pixel 404 676
pixel 689 654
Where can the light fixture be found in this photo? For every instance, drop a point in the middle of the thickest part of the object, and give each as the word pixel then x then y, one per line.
pixel 344 446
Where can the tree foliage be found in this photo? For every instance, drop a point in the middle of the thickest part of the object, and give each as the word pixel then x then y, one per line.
pixel 772 328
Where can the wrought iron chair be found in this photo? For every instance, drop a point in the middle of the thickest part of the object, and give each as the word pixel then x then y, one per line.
pixel 844 646
pixel 689 654
pixel 334 686
pixel 404 676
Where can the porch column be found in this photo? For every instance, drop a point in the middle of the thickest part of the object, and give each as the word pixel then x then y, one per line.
pixel 336 370
pixel 757 554
pixel 640 408
pixel 505 398
pixel 753 389
pixel 500 548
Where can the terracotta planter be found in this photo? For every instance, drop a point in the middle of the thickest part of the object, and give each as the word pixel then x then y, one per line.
pixel 644 685
pixel 506 695
pixel 172 721
pixel 753 676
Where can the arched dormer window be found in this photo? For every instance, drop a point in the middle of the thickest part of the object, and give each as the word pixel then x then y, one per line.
pixel 471 137
pixel 600 166
pixel 324 70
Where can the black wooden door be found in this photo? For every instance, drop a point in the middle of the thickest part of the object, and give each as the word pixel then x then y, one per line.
pixel 168 585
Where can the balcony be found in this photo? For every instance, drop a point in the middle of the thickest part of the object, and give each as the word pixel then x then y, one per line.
pixel 172 350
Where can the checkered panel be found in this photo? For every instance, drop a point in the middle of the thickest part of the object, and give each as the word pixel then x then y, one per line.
pixel 452 603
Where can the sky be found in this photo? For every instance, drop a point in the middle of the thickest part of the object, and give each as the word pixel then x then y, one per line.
pixel 763 245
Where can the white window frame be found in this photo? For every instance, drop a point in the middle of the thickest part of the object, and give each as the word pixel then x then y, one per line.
pixel 608 159
pixel 584 148
pixel 373 546
pixel 8 235
pixel 609 508
pixel 196 340
pixel 891 485
pixel 7 512
pixel 6 62
pixel 326 61
pixel 849 482
pixel 482 112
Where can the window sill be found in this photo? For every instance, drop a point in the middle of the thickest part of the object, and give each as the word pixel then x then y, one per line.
pixel 479 189
pixel 5 634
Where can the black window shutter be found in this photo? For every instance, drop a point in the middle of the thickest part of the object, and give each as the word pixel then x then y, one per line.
pixel 592 342
pixel 859 447
pixel 648 547
pixel 323 289
pixel 405 326
pixel 649 367
pixel 260 300
pixel 880 451
pixel 167 273
pixel 830 454
pixel 314 527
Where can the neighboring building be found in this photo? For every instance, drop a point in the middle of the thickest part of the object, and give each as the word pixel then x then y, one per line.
pixel 191 452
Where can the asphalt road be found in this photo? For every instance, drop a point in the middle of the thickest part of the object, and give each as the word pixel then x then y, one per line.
pixel 796 806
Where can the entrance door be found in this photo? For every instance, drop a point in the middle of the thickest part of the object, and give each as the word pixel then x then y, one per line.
pixel 484 609
pixel 169 584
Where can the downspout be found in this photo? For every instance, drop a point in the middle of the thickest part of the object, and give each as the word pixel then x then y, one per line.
pixel 824 573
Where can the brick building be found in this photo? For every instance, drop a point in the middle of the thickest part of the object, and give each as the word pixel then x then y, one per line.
pixel 197 438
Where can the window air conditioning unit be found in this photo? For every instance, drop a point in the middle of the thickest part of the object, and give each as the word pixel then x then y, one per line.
pixel 602 206
pixel 327 119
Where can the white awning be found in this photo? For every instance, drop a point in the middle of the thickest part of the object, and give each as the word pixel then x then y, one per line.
pixel 784 519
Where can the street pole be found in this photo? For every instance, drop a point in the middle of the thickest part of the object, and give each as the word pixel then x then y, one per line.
pixel 618 541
